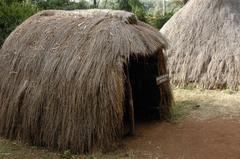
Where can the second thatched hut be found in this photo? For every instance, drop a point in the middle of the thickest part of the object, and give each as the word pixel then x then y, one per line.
pixel 205 44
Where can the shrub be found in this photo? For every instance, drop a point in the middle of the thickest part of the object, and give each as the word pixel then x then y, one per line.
pixel 62 4
pixel 13 14
pixel 158 20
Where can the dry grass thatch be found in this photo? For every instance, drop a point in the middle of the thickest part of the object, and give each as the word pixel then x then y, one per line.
pixel 205 44
pixel 62 78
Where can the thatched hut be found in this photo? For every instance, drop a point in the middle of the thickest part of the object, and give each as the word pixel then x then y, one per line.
pixel 205 44
pixel 78 79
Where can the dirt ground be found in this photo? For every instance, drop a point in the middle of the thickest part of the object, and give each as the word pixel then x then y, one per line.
pixel 210 139
pixel 206 125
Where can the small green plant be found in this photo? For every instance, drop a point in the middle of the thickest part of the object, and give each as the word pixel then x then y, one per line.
pixel 91 157
pixel 228 91
pixel 4 151
pixel 46 157
pixel 189 87
pixel 158 20
pixel 62 4
pixel 67 154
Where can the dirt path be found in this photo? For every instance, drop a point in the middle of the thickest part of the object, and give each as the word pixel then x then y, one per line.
pixel 210 139
pixel 209 128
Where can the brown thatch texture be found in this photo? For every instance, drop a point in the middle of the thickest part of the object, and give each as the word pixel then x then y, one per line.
pixel 205 44
pixel 62 77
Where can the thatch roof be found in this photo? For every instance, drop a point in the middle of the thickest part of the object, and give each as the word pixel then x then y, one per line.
pixel 205 44
pixel 62 78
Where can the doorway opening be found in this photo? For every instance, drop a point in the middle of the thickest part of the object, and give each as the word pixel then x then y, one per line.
pixel 142 94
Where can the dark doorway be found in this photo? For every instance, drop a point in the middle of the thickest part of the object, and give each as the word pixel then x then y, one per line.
pixel 145 91
pixel 141 73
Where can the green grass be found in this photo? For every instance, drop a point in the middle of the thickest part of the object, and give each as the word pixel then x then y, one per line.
pixel 15 150
pixel 228 91
pixel 181 110
pixel 4 151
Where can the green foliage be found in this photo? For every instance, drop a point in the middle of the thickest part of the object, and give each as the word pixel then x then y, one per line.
pixel 14 12
pixel 134 6
pixel 4 151
pixel 109 4
pixel 175 5
pixel 124 5
pixel 66 155
pixel 11 15
pixel 181 110
pixel 91 157
pixel 158 20
pixel 228 91
pixel 138 9
pixel 12 1
pixel 61 4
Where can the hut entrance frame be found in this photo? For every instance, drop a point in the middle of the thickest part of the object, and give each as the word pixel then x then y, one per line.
pixel 142 94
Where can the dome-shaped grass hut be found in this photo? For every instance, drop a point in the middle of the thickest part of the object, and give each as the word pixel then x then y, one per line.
pixel 78 79
pixel 205 44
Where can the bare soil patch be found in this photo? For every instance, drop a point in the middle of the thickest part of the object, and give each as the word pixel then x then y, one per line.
pixel 206 126
pixel 208 139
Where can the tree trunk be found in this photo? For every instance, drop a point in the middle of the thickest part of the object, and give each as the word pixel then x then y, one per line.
pixel 95 3
pixel 185 1
pixel 163 7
